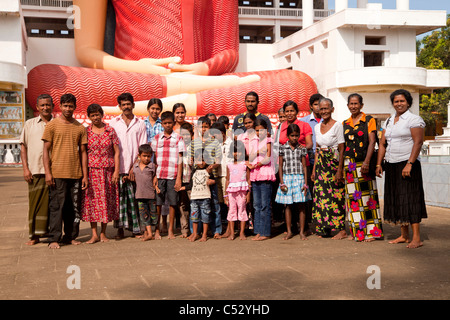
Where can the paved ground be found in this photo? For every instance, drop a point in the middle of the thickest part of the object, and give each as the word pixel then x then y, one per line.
pixel 218 269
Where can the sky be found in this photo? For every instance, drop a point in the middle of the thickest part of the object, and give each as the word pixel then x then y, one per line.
pixel 413 4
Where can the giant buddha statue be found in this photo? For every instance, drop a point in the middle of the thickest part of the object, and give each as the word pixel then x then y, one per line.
pixel 177 50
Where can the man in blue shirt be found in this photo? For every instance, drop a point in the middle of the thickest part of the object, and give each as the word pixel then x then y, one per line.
pixel 312 119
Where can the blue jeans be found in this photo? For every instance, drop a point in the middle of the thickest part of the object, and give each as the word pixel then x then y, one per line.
pixel 201 210
pixel 215 221
pixel 262 191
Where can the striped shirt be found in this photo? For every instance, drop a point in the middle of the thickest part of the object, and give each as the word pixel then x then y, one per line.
pixel 292 159
pixel 167 154
pixel 65 139
pixel 211 152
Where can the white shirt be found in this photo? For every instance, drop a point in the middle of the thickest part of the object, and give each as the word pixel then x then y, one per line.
pixel 398 136
pixel 332 138
pixel 31 138
pixel 200 189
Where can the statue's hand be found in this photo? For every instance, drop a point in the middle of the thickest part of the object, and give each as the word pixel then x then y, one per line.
pixel 199 68
pixel 157 66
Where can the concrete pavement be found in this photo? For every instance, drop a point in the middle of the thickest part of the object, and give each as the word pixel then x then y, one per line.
pixel 217 269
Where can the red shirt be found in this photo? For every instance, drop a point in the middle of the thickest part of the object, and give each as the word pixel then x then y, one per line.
pixel 305 130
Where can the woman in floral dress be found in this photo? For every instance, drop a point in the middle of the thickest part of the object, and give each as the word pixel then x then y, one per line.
pixel 101 198
pixel 328 202
pixel 361 193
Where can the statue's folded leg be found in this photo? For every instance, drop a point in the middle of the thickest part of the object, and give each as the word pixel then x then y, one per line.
pixel 223 95
pixel 91 85
pixel 274 89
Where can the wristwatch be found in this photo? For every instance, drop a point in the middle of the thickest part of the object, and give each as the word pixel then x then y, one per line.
pixel 410 162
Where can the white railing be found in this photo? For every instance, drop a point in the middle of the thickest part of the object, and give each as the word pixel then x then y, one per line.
pixel 322 13
pixel 248 11
pixel 280 12
pixel 9 152
pixel 47 3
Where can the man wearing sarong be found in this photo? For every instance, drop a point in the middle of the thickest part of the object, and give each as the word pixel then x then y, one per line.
pixel 31 147
pixel 132 133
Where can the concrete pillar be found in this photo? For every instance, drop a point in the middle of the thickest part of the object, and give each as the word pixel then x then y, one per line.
pixel 340 5
pixel 308 13
pixel 402 4
pixel 362 4
pixel 277 27
pixel 277 31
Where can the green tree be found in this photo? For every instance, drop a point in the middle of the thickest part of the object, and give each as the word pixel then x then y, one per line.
pixel 433 52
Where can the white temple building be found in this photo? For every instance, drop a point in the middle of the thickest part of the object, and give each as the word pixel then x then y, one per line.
pixel 440 146
pixel 368 50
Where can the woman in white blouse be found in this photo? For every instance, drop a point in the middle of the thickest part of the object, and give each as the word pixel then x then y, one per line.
pixel 328 193
pixel 402 139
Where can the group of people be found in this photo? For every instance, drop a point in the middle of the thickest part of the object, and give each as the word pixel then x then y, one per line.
pixel 132 171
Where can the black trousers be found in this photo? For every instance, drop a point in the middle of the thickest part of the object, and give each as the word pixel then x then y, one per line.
pixel 65 208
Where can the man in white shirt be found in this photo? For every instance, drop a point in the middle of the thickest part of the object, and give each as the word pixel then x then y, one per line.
pixel 132 133
pixel 31 147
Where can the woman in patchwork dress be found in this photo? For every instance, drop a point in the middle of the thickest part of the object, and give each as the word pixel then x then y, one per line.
pixel 328 202
pixel 361 193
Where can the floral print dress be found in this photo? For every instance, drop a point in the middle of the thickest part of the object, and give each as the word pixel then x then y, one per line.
pixel 328 201
pixel 101 198
pixel 361 194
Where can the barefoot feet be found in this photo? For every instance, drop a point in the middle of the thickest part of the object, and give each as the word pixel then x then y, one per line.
pixel 400 239
pixel 414 244
pixel 341 235
pixel 54 245
pixel 120 234
pixel 303 236
pixel 193 237
pixel 93 240
pixel 260 238
pixel 288 236
pixel 32 241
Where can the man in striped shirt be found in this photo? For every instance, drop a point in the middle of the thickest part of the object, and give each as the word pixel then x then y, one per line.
pixel 66 172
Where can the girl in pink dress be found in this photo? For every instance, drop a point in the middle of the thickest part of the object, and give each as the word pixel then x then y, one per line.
pixel 237 188
pixel 262 174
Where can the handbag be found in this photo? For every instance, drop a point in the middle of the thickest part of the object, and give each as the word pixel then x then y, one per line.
pixel 373 163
